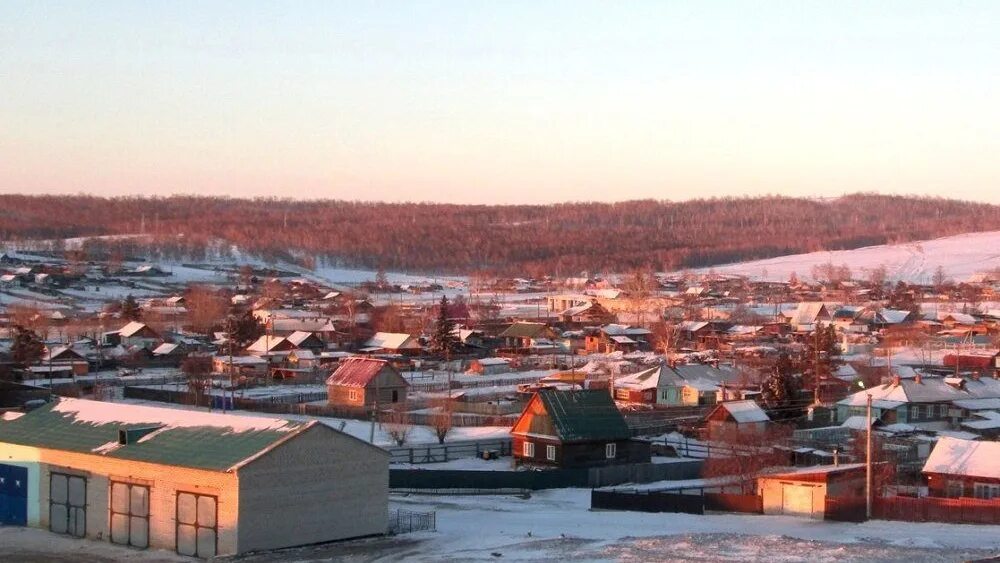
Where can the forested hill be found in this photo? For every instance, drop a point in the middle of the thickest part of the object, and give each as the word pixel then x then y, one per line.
pixel 517 239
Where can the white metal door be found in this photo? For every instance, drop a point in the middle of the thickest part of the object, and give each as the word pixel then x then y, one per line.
pixel 797 499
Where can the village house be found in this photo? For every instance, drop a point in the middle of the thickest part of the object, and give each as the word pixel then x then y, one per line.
pixel 678 385
pixel 392 343
pixel 743 416
pixel 246 366
pixel 581 428
pixel 963 468
pixel 366 383
pixel 201 484
pixel 536 337
pixel 924 402
pixel 65 357
pixel 135 333
pixel 616 338
pixel 489 366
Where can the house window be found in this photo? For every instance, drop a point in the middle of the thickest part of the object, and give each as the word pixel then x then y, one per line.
pixel 610 450
pixel 550 453
pixel 942 411
pixel 352 395
pixel 528 449
pixel 130 514
pixel 987 490
pixel 954 489
pixel 914 412
pixel 395 396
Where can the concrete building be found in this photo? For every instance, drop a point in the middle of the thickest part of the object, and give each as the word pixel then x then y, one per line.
pixel 201 484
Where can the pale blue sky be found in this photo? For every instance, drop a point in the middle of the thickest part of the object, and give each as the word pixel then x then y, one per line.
pixel 498 101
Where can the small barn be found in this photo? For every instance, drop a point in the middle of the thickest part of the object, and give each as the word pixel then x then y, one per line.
pixel 743 416
pixel 803 491
pixel 365 382
pixel 134 333
pixel 489 366
pixel 579 428
pixel 201 484
pixel 393 342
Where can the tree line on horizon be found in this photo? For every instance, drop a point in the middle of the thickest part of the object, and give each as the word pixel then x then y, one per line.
pixel 533 240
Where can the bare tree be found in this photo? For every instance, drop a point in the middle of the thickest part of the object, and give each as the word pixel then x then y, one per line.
pixel 196 369
pixel 745 453
pixel 441 420
pixel 396 423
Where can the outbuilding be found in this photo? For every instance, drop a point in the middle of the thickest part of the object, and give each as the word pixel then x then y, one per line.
pixel 201 484
pixel 803 491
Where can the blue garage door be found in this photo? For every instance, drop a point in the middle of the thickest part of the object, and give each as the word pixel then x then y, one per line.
pixel 13 495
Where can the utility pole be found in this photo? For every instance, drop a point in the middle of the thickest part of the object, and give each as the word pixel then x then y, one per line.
pixel 232 389
pixel 868 462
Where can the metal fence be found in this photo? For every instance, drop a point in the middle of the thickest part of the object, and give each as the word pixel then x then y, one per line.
pixel 406 521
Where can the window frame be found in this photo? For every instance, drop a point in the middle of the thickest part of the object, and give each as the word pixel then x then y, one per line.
pixel 528 449
pixel 610 450
pixel 550 452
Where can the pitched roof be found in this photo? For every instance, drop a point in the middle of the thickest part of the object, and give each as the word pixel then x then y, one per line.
pixel 132 328
pixel 300 336
pixel 584 415
pixel 524 330
pixel 356 372
pixel 657 377
pixel 745 411
pixel 391 341
pixel 965 457
pixel 185 438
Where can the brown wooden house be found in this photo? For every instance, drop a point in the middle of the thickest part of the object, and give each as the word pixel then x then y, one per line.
pixel 574 429
pixel 963 468
pixel 364 382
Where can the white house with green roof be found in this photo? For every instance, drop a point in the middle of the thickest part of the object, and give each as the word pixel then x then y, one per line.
pixel 199 483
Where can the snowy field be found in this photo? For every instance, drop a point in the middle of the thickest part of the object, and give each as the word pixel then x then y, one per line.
pixel 961 256
pixel 559 526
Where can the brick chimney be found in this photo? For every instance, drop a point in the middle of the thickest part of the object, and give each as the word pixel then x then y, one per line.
pixel 896 379
pixel 918 379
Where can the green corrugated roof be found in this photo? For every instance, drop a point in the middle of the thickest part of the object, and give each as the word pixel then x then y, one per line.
pixel 584 415
pixel 186 438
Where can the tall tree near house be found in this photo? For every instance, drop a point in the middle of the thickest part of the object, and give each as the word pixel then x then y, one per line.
pixel 444 341
pixel 130 308
pixel 665 337
pixel 196 368
pixel 206 308
pixel 940 278
pixel 821 355
pixel 780 390
pixel 26 348
pixel 639 291
pixel 242 328
pixel 381 280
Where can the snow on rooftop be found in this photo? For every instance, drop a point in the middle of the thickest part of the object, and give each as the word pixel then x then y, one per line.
pixel 965 457
pixel 97 412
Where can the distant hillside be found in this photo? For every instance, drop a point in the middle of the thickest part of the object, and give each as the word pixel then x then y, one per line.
pixel 517 239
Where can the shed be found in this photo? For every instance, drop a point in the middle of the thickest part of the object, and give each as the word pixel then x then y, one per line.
pixel 803 491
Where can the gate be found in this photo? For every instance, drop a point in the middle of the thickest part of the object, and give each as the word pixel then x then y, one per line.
pixel 197 525
pixel 129 514
pixel 13 495
pixel 68 504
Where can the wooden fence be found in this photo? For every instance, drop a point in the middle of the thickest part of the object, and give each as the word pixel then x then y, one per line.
pixel 662 501
pixel 910 509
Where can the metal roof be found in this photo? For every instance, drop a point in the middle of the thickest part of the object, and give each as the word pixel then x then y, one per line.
pixel 584 415
pixel 196 439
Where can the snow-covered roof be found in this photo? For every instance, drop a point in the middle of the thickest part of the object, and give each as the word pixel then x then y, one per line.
pixel 392 341
pixel 623 340
pixel 745 411
pixel 927 390
pixel 965 457
pixel 493 361
pixel 164 349
pixel 298 337
pixel 131 328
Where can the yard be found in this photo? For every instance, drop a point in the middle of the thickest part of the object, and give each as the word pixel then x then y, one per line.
pixel 558 525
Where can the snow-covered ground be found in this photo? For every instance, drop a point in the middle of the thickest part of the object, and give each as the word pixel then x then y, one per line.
pixel 558 525
pixel 960 256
